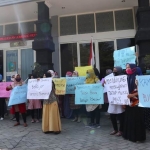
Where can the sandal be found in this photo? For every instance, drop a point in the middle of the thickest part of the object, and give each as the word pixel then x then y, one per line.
pixel 113 133
pixel 119 134
pixel 17 124
pixel 25 125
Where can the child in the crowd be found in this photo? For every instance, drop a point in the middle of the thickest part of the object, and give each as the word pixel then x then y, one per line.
pixel 34 106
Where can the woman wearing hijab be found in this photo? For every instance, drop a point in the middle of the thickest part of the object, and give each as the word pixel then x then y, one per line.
pixel 67 110
pixel 19 108
pixel 73 106
pixel 51 118
pixel 116 111
pixel 2 105
pixel 93 109
pixel 134 127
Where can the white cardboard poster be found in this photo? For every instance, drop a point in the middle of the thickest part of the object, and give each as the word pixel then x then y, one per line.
pixel 39 89
pixel 117 90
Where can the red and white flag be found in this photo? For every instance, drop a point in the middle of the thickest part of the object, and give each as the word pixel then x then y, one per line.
pixel 92 57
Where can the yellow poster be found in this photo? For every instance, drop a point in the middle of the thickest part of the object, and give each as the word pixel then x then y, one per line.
pixel 82 70
pixel 60 85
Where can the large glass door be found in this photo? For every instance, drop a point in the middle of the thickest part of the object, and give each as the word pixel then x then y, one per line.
pixel 106 60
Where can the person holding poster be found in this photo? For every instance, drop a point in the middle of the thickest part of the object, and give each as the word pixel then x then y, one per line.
pixel 67 110
pixel 116 111
pixel 34 106
pixel 134 127
pixel 19 108
pixel 93 109
pixel 51 117
pixel 75 108
pixel 2 104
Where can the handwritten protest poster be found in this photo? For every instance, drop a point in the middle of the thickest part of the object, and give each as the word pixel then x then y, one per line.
pixel 60 85
pixel 124 56
pixel 18 95
pixel 110 75
pixel 117 90
pixel 82 70
pixel 89 94
pixel 3 92
pixel 144 90
pixel 39 89
pixel 72 82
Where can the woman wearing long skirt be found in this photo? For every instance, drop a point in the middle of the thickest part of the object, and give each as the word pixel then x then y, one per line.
pixel 134 127
pixel 51 117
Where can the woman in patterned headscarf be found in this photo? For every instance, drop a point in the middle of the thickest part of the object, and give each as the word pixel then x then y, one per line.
pixel 19 108
pixel 93 109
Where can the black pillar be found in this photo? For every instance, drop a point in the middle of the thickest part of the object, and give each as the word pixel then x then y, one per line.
pixel 43 42
pixel 142 37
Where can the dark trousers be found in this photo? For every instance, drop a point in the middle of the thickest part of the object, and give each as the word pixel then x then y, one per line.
pixel 2 107
pixel 114 118
pixel 76 113
pixel 95 115
pixel 37 113
pixel 23 117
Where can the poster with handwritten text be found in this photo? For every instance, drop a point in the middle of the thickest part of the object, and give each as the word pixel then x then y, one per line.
pixel 124 56
pixel 144 90
pixel 117 90
pixel 39 89
pixel 18 95
pixel 72 82
pixel 89 94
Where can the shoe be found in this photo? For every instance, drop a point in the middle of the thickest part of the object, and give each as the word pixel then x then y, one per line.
pixel 17 124
pixel 37 121
pixel 57 132
pixel 74 120
pixel 118 133
pixel 2 118
pixel 14 119
pixel 97 126
pixel 78 121
pixel 91 125
pixel 25 125
pixel 32 121
pixel 113 133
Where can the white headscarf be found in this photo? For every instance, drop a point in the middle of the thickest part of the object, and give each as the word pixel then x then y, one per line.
pixel 52 73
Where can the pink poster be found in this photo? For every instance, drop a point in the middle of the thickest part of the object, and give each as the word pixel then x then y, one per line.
pixel 3 92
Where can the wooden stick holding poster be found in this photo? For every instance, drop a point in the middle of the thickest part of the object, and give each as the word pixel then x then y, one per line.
pixel 117 90
pixel 144 90
pixel 39 89
pixel 89 94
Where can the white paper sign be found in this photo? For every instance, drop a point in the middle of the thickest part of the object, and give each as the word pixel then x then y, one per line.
pixel 110 75
pixel 117 90
pixel 39 89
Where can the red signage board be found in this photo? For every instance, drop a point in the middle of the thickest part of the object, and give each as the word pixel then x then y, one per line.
pixel 28 36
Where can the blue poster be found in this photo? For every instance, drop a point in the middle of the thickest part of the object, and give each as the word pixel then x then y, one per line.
pixel 144 90
pixel 72 82
pixel 18 95
pixel 89 94
pixel 124 56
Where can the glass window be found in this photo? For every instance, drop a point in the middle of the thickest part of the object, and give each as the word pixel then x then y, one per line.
pixel 85 53
pixel 86 24
pixel 124 19
pixel 27 27
pixel 124 43
pixel 104 22
pixel 106 50
pixel 11 29
pixel 68 25
pixel 11 63
pixel 68 57
pixel 1 30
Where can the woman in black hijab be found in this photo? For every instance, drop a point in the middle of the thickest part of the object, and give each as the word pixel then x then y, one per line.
pixel 134 127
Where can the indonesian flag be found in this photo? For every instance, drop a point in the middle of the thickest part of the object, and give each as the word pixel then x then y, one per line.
pixel 92 57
